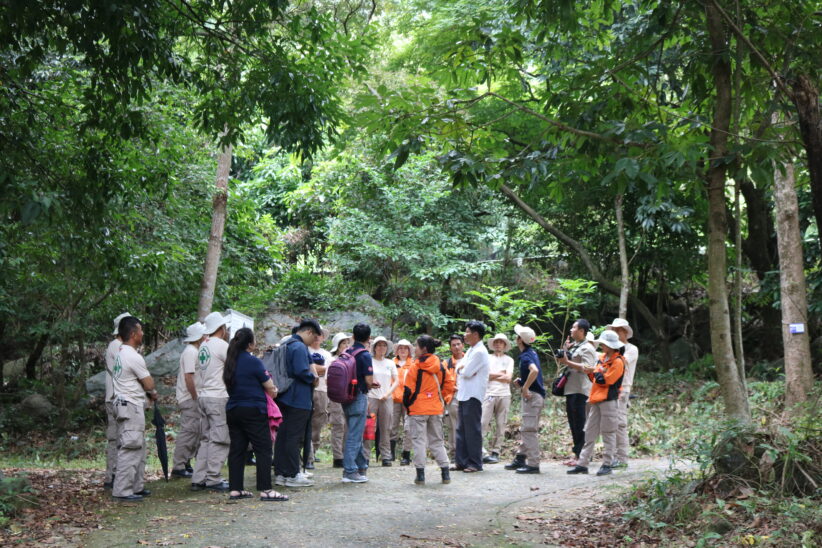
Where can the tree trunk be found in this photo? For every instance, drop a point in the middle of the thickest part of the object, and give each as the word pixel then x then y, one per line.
pixel 215 239
pixel 793 290
pixel 806 98
pixel 760 245
pixel 625 277
pixel 34 357
pixel 739 349
pixel 733 393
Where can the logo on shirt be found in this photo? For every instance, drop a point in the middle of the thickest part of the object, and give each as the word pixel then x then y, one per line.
pixel 203 357
pixel 118 368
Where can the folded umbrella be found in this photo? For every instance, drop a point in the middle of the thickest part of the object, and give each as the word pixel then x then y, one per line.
pixel 160 437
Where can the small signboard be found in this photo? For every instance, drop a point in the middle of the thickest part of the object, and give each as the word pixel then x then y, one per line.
pixel 797 328
pixel 236 321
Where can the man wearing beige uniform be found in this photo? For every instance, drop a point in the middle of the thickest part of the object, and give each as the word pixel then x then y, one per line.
pixel 111 420
pixel 497 400
pixel 131 382
pixel 188 439
pixel 212 397
pixel 623 329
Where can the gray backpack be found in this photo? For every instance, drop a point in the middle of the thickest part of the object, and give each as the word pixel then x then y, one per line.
pixel 275 363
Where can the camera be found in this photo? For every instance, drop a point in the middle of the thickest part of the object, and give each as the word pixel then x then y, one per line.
pixel 560 353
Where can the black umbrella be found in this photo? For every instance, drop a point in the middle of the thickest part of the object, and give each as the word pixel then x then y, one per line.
pixel 160 437
pixel 307 446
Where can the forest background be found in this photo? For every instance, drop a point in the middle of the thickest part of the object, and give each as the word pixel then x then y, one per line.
pixel 513 160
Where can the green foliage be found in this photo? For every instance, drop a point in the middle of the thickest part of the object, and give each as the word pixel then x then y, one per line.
pixel 302 289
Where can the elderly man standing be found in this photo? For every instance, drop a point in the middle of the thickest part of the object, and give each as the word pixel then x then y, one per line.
pixel 131 382
pixel 111 420
pixel 472 375
pixel 188 439
pixel 623 329
pixel 212 397
pixel 498 395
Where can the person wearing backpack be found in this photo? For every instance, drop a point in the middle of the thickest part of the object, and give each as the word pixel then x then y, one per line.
pixel 295 403
pixel 355 465
pixel 427 385
pixel 336 417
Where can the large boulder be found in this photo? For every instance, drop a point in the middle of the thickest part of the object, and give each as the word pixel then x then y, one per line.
pixel 165 361
pixel 36 406
pixel 682 353
pixel 96 385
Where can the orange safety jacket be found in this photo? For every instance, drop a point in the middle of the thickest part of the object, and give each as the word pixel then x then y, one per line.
pixel 451 370
pixel 606 378
pixel 401 372
pixel 424 381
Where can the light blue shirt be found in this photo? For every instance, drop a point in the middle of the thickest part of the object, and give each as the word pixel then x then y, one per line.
pixel 473 374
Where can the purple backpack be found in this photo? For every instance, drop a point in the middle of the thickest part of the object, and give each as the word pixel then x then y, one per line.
pixel 341 377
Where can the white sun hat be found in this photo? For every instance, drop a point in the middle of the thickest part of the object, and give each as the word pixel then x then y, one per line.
pixel 389 344
pixel 499 337
pixel 589 336
pixel 405 342
pixel 619 322
pixel 610 339
pixel 194 332
pixel 338 338
pixel 527 334
pixel 117 322
pixel 213 322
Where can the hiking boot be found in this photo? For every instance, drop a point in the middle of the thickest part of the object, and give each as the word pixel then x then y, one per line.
pixel 188 467
pixel 393 450
pixel 517 463
pixel 129 498
pixel 143 493
pixel 300 480
pixel 446 475
pixel 420 479
pixel 387 463
pixel 338 463
pixel 617 464
pixel 528 469
pixel 604 470
pixel 354 477
pixel 309 466
pixel 493 458
pixel 406 458
pixel 362 471
pixel 222 486
pixel 198 486
pixel 181 473
pixel 578 470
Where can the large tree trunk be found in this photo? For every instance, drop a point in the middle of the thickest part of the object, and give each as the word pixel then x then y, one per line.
pixel 793 291
pixel 806 98
pixel 34 357
pixel 733 393
pixel 215 239
pixel 625 276
pixel 739 349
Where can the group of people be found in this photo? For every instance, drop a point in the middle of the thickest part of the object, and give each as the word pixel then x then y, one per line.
pixel 422 403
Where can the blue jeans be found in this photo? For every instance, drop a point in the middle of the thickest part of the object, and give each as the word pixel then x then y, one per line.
pixel 355 414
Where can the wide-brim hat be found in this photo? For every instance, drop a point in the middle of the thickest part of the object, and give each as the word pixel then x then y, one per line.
pixel 527 334
pixel 213 322
pixel 499 337
pixel 404 342
pixel 194 332
pixel 619 322
pixel 117 322
pixel 389 344
pixel 610 339
pixel 589 336
pixel 338 338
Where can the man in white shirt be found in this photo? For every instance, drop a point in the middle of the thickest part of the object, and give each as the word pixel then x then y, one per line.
pixel 456 343
pixel 321 359
pixel 472 381
pixel 623 329
pixel 497 400
pixel 212 397
pixel 131 381
pixel 188 438
pixel 111 420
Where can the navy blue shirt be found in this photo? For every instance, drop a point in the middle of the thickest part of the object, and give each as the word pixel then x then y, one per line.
pixel 247 389
pixel 526 358
pixel 298 360
pixel 365 368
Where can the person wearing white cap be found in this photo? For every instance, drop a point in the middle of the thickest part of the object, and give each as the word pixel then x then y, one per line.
pixel 579 357
pixel 403 351
pixel 623 329
pixel 602 404
pixel 212 397
pixel 336 416
pixel 380 398
pixel 188 438
pixel 111 420
pixel 497 400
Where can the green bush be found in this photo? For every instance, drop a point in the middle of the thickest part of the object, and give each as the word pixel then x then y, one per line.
pixel 305 290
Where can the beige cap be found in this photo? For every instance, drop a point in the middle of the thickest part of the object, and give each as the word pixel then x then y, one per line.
pixel 499 337
pixel 389 344
pixel 117 322
pixel 527 334
pixel 619 322
pixel 610 339
pixel 338 338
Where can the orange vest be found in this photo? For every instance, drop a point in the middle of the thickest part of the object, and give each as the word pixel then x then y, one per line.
pixel 423 381
pixel 612 371
pixel 401 372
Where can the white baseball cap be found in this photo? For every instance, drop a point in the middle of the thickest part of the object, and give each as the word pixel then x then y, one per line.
pixel 619 322
pixel 338 338
pixel 527 334
pixel 389 344
pixel 610 339
pixel 194 332
pixel 499 337
pixel 117 322
pixel 213 322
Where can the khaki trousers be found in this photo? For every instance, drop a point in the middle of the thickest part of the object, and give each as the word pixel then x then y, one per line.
pixel 131 449
pixel 400 420
pixel 529 430
pixel 450 421
pixel 111 441
pixel 622 442
pixel 214 444
pixel 384 409
pixel 495 408
pixel 602 420
pixel 426 433
pixel 188 439
pixel 337 419
pixel 318 420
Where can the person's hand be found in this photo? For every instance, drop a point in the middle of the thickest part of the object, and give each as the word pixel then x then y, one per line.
pixel 567 343
pixel 375 384
pixel 563 360
pixel 526 393
pixel 384 397
pixel 276 392
pixel 624 396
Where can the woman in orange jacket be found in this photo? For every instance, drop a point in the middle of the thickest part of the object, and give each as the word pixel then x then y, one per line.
pixel 425 390
pixel 603 413
pixel 403 360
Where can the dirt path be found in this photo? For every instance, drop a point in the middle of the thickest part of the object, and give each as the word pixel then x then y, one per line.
pixel 476 509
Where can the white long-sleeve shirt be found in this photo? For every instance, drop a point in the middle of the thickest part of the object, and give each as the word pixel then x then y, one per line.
pixel 473 374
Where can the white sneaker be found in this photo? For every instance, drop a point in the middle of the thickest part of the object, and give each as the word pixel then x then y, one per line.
pixel 298 481
pixel 354 478
pixel 306 474
pixel 279 480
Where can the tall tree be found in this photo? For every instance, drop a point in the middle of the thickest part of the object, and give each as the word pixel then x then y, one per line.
pixel 215 237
